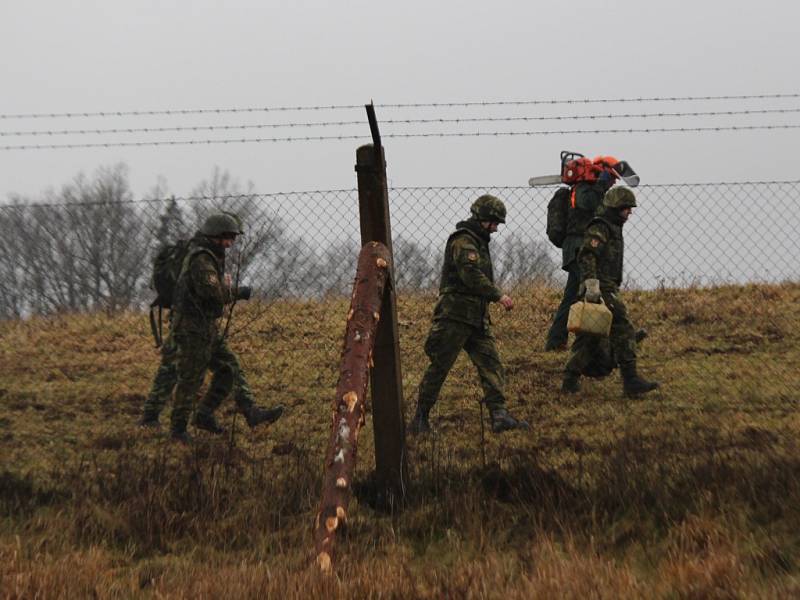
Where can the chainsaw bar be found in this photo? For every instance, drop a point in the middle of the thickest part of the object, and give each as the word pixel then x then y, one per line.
pixel 544 180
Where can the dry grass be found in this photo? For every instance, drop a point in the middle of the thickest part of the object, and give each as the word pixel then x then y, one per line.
pixel 693 492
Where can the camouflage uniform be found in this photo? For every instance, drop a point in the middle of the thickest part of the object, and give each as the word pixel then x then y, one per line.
pixel 461 320
pixel 167 376
pixel 195 343
pixel 601 257
pixel 199 345
pixel 163 382
pixel 588 197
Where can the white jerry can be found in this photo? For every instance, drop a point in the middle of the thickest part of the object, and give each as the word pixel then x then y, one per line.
pixel 589 318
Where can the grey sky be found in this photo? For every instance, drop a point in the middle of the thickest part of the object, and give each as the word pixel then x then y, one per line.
pixel 61 56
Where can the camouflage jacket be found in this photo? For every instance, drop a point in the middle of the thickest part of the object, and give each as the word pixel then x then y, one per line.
pixel 603 251
pixel 201 293
pixel 467 284
pixel 588 199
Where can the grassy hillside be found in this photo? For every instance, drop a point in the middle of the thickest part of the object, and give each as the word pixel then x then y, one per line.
pixel 693 491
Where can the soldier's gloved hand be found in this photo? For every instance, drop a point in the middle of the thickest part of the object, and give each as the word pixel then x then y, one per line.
pixel 592 290
pixel 243 292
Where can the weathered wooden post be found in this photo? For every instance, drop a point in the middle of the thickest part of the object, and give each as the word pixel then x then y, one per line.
pixel 386 380
pixel 372 276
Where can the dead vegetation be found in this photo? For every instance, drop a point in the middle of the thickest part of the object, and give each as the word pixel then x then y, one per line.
pixel 693 492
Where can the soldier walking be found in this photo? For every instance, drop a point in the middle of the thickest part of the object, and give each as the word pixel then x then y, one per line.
pixel 461 317
pixel 600 261
pixel 586 198
pixel 196 344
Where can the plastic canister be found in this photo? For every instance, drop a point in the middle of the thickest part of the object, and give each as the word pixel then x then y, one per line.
pixel 589 318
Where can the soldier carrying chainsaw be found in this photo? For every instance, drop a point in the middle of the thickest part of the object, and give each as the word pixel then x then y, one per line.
pixel 569 213
pixel 600 261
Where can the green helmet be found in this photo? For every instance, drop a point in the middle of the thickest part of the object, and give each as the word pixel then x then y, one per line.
pixel 489 208
pixel 221 224
pixel 619 197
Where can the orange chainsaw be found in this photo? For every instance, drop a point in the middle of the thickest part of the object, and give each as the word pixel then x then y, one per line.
pixel 576 167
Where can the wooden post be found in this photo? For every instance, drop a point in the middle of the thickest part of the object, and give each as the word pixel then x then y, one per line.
pixel 363 321
pixel 386 380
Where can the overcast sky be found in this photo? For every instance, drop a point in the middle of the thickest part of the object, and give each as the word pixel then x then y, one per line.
pixel 64 56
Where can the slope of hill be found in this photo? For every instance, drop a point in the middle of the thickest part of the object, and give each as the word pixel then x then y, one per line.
pixel 692 491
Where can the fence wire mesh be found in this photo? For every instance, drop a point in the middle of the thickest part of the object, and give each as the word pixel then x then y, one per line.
pixel 711 271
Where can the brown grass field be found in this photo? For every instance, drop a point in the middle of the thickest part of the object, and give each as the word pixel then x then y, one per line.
pixel 690 492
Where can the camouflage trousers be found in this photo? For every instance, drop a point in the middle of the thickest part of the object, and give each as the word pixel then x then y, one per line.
pixel 185 360
pixel 597 356
pixel 445 341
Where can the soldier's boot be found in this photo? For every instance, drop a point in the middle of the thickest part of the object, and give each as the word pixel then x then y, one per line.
pixel 255 415
pixel 571 383
pixel 503 421
pixel 179 434
pixel 632 384
pixel 208 422
pixel 641 334
pixel 555 346
pixel 149 420
pixel 419 423
pixel 177 429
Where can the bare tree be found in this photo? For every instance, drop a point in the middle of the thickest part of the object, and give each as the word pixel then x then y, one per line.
pixel 518 261
pixel 416 265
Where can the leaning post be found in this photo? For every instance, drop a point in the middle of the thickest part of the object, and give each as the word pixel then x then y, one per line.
pixel 349 406
pixel 386 381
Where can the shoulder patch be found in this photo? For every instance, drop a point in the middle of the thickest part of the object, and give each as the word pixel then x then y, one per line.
pixel 213 279
pixel 472 256
pixel 595 243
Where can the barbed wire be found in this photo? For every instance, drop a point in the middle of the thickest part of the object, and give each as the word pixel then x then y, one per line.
pixel 398 189
pixel 399 136
pixel 196 111
pixel 455 120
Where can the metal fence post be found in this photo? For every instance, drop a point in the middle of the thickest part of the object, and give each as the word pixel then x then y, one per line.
pixel 386 380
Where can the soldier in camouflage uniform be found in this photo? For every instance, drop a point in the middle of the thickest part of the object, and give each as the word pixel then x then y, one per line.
pixel 600 262
pixel 587 199
pixel 195 343
pixel 461 317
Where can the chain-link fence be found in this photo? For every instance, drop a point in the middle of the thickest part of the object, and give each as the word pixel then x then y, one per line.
pixel 91 253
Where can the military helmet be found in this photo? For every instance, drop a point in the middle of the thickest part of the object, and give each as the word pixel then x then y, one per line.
pixel 619 197
pixel 489 208
pixel 221 224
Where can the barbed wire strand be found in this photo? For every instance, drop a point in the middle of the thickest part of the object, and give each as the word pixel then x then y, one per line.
pixel 455 120
pixel 401 189
pixel 467 134
pixel 196 111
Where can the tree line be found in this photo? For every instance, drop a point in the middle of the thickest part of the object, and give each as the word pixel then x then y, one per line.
pixel 89 247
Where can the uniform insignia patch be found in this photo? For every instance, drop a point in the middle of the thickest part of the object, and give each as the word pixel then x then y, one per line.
pixel 472 256
pixel 594 242
pixel 212 279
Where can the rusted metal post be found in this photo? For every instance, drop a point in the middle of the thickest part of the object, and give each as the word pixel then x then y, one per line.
pixel 363 320
pixel 386 380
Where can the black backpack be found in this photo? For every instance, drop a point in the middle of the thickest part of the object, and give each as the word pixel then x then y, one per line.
pixel 167 267
pixel 557 214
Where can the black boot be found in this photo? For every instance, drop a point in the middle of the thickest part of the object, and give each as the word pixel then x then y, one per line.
pixel 207 422
pixel 571 383
pixel 149 420
pixel 419 423
pixel 180 436
pixel 256 415
pixel 640 335
pixel 632 384
pixel 503 421
pixel 555 346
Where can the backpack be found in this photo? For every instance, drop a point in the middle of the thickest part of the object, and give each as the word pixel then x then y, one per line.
pixel 167 267
pixel 557 214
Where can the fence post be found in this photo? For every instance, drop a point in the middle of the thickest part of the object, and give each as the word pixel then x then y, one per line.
pixel 386 380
